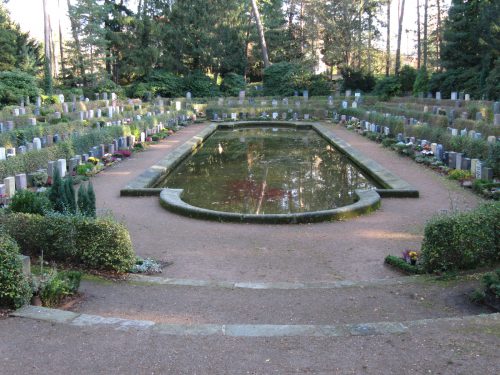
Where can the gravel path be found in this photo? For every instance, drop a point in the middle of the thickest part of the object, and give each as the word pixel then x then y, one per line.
pixel 352 249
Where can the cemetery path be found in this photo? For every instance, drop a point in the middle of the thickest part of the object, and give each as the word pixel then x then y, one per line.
pixel 352 249
pixel 457 346
pixel 399 301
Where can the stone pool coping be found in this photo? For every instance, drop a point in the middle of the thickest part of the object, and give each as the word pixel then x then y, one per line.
pixel 369 200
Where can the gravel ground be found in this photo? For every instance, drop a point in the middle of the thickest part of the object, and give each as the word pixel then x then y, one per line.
pixel 352 249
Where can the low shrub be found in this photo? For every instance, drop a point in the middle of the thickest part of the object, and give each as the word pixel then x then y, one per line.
pixel 232 84
pixel 30 202
pixel 388 142
pixel 15 289
pixel 459 175
pixel 402 265
pixel 54 286
pixel 461 241
pixel 96 243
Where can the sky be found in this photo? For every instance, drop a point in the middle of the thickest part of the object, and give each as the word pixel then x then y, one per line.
pixel 29 14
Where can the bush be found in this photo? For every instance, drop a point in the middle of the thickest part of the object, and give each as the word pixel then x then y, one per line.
pixel 463 240
pixel 15 289
pixel 357 80
pixel 407 76
pixel 100 243
pixel 232 84
pixel 199 85
pixel 402 265
pixel 421 84
pixel 284 78
pixel 459 175
pixel 320 85
pixel 387 87
pixel 30 202
pixel 16 85
pixel 56 285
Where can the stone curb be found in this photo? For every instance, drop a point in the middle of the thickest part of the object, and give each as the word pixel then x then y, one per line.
pixel 239 330
pixel 144 279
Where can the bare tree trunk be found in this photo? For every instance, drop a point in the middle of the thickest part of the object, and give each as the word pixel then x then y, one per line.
pixel 438 31
pixel 55 68
pixel 74 31
pixel 400 29
pixel 46 31
pixel 260 29
pixel 419 50
pixel 370 21
pixel 388 43
pixel 61 49
pixel 426 21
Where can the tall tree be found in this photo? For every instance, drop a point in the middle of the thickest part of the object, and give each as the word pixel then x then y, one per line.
pixel 426 22
pixel 388 40
pixel 48 59
pixel 260 29
pixel 400 30
pixel 419 42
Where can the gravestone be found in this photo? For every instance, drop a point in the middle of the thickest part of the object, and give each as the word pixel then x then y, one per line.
pixel 21 181
pixel 2 190
pixel 305 94
pixel 10 125
pixel 55 138
pixel 10 186
pixel 473 163
pixel 454 132
pixel 3 155
pixel 295 116
pixel 439 152
pixel 344 104
pixel 454 96
pixel 496 119
pixel 479 167
pixel 466 163
pixel 82 115
pixel 178 106
pixel 426 109
pixel 11 152
pixel 347 93
pixel 241 96
pixel 479 116
pixel 330 100
pixel 143 137
pixel 496 108
pixel 32 121
pixel 463 132
pixel 306 116
pixel 492 139
pixel 434 148
pixel 57 115
pixel 452 160
pixel 387 130
pixel 438 95
pixel 188 95
pixel 85 158
pixel 65 108
pixel 29 146
pixel 234 116
pixel 283 116
pixel 285 102
pixel 22 149
pixel 275 115
pixel 467 97
pixel 487 173
pixel 51 165
pixel 61 166
pixel 274 103
pixel 15 112
pixel 477 135
pixel 354 104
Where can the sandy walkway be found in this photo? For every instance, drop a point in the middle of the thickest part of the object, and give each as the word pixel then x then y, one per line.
pixel 352 249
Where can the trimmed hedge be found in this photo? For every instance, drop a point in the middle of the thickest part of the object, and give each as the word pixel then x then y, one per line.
pixel 462 241
pixel 15 289
pixel 100 243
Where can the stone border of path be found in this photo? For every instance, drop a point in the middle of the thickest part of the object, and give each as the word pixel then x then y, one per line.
pixel 155 280
pixel 368 200
pixel 238 330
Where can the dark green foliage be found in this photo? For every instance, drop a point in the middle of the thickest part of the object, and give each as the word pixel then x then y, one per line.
pixel 491 282
pixel 30 202
pixel 69 192
pixel 387 87
pixel 15 289
pixel 283 78
pixel 82 199
pixel 357 80
pixel 319 85
pixel 462 240
pixel 199 85
pixel 56 193
pixel 388 142
pixel 100 243
pixel 91 208
pixel 407 76
pixel 492 87
pixel 59 285
pixel 421 85
pixel 402 265
pixel 16 85
pixel 232 84
pixel 158 83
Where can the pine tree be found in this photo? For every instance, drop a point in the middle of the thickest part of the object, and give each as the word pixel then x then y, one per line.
pixel 82 199
pixel 91 210
pixel 70 195
pixel 57 191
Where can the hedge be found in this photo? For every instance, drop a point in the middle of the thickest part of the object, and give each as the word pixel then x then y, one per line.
pixel 15 289
pixel 461 241
pixel 100 243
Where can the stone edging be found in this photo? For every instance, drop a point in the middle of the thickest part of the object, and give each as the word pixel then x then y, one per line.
pixel 239 330
pixel 392 186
